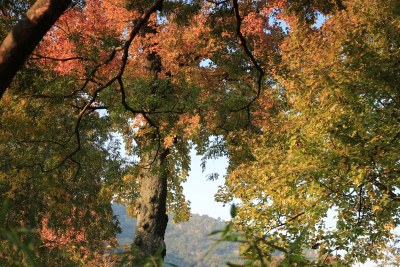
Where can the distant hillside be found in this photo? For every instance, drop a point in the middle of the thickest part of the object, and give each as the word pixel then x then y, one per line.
pixel 187 242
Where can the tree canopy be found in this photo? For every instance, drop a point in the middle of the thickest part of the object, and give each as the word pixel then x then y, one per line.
pixel 334 146
pixel 308 117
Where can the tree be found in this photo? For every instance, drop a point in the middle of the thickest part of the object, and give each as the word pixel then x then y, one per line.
pixel 86 16
pixel 163 126
pixel 226 78
pixel 333 148
pixel 162 122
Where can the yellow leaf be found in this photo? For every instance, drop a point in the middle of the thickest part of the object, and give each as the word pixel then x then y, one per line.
pixel 376 208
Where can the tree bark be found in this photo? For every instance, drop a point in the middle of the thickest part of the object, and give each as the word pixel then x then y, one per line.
pixel 26 35
pixel 152 219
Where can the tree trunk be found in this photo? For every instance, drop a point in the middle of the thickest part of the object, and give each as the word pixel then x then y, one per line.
pixel 152 219
pixel 26 35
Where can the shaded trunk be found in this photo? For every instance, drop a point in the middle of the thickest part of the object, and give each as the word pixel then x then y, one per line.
pixel 26 35
pixel 152 219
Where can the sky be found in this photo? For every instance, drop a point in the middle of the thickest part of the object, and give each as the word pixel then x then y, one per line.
pixel 200 191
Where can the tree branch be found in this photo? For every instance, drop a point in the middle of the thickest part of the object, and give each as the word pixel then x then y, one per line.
pixel 26 35
pixel 247 51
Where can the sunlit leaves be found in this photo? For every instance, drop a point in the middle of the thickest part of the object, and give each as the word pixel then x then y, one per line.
pixel 335 148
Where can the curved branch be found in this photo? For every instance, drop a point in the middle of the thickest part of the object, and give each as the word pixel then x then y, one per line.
pixel 253 60
pixel 243 40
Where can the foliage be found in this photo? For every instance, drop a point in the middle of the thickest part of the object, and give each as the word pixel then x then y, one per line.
pixel 253 248
pixel 334 146
pixel 307 116
pixel 55 177
pixel 23 246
